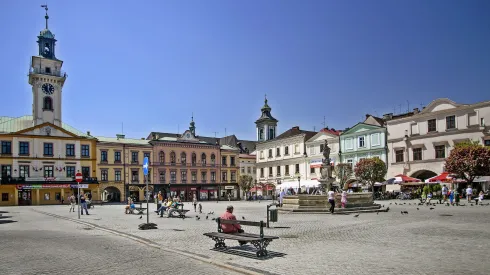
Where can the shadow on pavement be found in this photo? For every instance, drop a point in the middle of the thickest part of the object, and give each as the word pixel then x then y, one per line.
pixel 6 221
pixel 248 252
pixel 5 217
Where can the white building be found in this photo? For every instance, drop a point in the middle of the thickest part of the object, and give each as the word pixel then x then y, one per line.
pixel 314 149
pixel 247 167
pixel 419 143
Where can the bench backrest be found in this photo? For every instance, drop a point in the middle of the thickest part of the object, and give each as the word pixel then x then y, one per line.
pixel 246 223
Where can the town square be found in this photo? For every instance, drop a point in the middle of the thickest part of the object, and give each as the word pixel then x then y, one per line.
pixel 240 138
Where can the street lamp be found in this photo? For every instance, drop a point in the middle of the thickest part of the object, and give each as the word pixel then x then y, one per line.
pixel 278 182
pixel 298 175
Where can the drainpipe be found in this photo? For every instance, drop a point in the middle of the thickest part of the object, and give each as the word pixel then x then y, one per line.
pixel 126 186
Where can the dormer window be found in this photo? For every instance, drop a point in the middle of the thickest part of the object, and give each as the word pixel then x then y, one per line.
pixel 47 104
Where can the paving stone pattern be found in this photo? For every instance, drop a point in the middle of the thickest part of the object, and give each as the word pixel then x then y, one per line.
pixel 446 240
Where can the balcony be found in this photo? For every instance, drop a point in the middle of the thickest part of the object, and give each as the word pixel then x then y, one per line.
pixel 173 181
pixel 183 163
pixel 162 181
pixel 58 73
pixel 172 163
pixel 9 179
pixel 224 181
pixel 193 164
pixel 233 181
pixel 213 181
pixel 184 181
pixel 203 181
pixel 194 181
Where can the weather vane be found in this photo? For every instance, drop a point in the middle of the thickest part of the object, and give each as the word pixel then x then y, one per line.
pixel 47 17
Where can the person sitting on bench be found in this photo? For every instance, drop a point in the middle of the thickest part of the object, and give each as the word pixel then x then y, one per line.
pixel 165 205
pixel 128 207
pixel 174 206
pixel 231 228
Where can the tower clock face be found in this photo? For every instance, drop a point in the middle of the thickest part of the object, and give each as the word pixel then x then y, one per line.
pixel 48 88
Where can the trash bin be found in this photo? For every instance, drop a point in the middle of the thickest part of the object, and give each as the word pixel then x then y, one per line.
pixel 273 215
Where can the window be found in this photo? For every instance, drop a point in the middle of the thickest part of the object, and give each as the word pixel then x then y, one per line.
pixel 232 161
pixel 213 159
pixel 362 142
pixel 312 150
pixel 6 170
pixel 183 176
pixel 193 159
pixel 70 171
pixel 482 122
pixel 48 171
pixel 286 150
pixel 117 175
pixel 261 134
pixel 5 196
pixel 440 151
pixel 249 171
pixel 47 70
pixel 85 151
pixel 203 158
pixel 172 158
pixel 322 146
pixel 450 122
pixel 203 177
pixel 417 153
pixel 6 147
pixel 261 172
pixel 271 133
pixel 349 161
pixel 48 149
pixel 24 171
pixel 270 171
pixel 296 148
pixel 233 176
pixel 194 176
pixel 431 125
pixel 213 176
pixel 278 171
pixel 70 150
pixel 173 176
pixel 486 142
pixel 270 153
pixel 134 157
pixel 399 156
pixel 162 177
pixel 183 158
pixel 161 157
pixel 286 168
pixel 86 172
pixel 117 156
pixel 312 170
pixel 103 156
pixel 104 175
pixel 261 154
pixel 135 177
pixel 223 161
pixel 296 168
pixel 47 104
pixel 147 155
pixel 278 152
pixel 348 143
pixel 23 148
pixel 224 177
pixel 242 170
pixel 375 140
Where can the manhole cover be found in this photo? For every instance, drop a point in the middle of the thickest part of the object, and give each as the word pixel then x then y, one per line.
pixel 290 236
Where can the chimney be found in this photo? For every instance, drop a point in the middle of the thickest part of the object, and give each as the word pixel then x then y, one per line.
pixel 142 138
pixel 295 128
pixel 367 116
pixel 388 116
pixel 120 136
pixel 88 133
pixel 415 111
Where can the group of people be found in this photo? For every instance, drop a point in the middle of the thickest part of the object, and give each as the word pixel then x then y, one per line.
pixel 453 195
pixel 84 199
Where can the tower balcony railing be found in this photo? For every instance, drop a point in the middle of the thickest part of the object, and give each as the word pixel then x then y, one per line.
pixel 58 73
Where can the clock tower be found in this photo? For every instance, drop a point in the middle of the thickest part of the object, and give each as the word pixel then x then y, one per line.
pixel 47 79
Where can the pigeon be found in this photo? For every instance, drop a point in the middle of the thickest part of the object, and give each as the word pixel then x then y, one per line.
pixel 471 204
pixel 417 208
pixel 207 217
pixel 401 212
pixel 405 212
pixel 213 219
pixel 396 203
pixel 388 209
pixel 141 217
pixel 198 218
pixel 377 212
pixel 409 204
pixel 356 215
pixel 432 208
pixel 390 203
pixel 243 217
pixel 383 206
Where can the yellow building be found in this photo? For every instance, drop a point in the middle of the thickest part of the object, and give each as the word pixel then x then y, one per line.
pixel 229 172
pixel 40 154
pixel 120 168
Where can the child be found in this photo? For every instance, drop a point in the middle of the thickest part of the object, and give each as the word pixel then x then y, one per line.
pixel 451 196
pixel 343 200
pixel 200 208
pixel 480 197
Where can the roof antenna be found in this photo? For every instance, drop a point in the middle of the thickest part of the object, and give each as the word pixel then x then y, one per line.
pixel 122 128
pixel 46 16
pixel 225 132
pixel 215 134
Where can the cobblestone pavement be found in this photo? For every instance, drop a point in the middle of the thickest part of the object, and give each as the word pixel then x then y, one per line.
pixel 445 240
pixel 39 244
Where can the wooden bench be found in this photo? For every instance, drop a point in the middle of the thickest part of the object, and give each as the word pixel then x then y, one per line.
pixel 94 202
pixel 259 241
pixel 140 210
pixel 180 211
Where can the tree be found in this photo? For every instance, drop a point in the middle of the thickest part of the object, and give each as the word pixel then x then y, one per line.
pixel 468 161
pixel 370 170
pixel 344 172
pixel 245 182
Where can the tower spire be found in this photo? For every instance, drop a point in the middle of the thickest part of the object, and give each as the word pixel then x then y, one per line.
pixel 46 16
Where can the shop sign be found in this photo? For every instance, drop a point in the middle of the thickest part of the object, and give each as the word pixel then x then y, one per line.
pixel 48 186
pixel 193 188
pixel 229 187
pixel 209 187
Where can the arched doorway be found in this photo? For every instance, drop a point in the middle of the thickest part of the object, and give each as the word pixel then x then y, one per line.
pixel 134 193
pixel 112 194
pixel 423 174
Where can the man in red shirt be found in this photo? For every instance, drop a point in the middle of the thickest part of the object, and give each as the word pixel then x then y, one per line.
pixel 231 228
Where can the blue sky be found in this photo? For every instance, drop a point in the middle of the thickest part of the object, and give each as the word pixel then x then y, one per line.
pixel 150 64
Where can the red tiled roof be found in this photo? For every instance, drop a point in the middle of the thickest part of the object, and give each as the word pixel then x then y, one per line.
pixel 331 131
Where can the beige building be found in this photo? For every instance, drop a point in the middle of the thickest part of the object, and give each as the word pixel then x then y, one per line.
pixel 419 143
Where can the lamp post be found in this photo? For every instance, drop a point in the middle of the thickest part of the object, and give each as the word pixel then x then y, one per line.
pixel 298 175
pixel 278 182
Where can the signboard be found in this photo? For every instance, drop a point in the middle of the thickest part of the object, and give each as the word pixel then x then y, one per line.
pixel 315 163
pixel 145 166
pixel 78 177
pixel 49 186
pixel 229 187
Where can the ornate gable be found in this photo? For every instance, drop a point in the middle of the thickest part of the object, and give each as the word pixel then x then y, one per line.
pixel 440 104
pixel 188 136
pixel 46 129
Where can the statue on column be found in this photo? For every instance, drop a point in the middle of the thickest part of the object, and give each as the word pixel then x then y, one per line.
pixel 326 169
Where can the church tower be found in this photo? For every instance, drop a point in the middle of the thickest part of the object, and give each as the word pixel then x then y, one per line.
pixel 46 79
pixel 266 124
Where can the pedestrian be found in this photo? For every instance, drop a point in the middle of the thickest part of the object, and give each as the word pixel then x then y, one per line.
pixel 194 202
pixel 231 228
pixel 480 197
pixel 451 196
pixel 456 196
pixel 331 199
pixel 72 203
pixel 343 200
pixel 444 193
pixel 200 208
pixel 159 201
pixel 83 203
pixel 229 197
pixel 469 193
